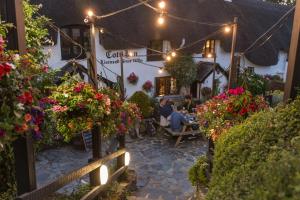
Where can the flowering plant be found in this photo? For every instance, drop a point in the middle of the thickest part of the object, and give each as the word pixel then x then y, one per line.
pixel 228 109
pixel 77 106
pixel 148 86
pixel 133 78
pixel 20 109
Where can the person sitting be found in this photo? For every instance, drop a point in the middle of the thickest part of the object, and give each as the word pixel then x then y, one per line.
pixel 188 104
pixel 165 110
pixel 177 120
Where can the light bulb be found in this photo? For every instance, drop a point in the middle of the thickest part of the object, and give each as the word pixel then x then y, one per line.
pixel 160 71
pixel 227 29
pixel 209 55
pixel 173 54
pixel 162 4
pixel 168 58
pixel 90 13
pixel 130 54
pixel 101 30
pixel 161 20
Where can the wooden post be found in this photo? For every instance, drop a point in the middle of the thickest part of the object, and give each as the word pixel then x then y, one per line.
pixel 23 146
pixel 293 71
pixel 121 138
pixel 214 75
pixel 96 132
pixel 233 68
pixel 122 77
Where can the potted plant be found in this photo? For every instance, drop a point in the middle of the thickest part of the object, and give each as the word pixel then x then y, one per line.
pixel 133 78
pixel 147 86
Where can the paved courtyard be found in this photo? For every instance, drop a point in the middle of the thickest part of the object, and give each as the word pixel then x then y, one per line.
pixel 161 169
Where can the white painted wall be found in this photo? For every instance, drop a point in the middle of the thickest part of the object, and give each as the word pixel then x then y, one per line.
pixel 149 73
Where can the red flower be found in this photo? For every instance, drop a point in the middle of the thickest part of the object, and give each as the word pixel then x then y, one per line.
pixel 2 133
pixel 5 69
pixel 79 87
pixel 26 98
pixel 99 96
pixel 27 117
pixel 147 86
pixel 243 111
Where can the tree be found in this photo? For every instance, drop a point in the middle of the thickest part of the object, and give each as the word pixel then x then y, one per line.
pixel 283 2
pixel 183 69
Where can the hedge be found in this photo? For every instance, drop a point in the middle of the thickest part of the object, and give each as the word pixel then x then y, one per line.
pixel 259 159
pixel 144 102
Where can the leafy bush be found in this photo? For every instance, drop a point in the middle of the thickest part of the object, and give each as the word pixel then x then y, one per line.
pixel 259 159
pixel 198 172
pixel 144 102
pixel 253 82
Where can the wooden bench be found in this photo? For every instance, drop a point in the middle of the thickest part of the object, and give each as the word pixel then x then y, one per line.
pixel 182 133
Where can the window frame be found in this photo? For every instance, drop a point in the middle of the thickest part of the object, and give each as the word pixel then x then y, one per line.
pixel 67 45
pixel 209 47
pixel 151 55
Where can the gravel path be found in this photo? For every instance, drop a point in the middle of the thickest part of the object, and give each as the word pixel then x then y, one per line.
pixel 161 169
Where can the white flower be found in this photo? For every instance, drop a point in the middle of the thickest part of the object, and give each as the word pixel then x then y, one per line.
pixel 20 106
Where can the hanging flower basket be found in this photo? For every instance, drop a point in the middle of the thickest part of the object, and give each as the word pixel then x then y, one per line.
pixel 148 86
pixel 133 78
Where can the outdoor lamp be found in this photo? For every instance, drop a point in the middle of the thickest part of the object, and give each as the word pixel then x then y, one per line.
pixel 127 158
pixel 103 174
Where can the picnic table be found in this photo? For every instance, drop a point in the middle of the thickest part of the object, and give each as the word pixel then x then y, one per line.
pixel 184 131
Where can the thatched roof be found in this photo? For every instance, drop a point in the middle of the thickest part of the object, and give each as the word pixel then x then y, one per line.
pixel 138 24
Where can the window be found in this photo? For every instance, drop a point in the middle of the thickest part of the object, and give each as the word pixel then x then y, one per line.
pixel 80 34
pixel 153 55
pixel 209 48
pixel 165 86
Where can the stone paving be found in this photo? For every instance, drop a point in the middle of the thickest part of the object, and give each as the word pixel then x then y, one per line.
pixel 161 168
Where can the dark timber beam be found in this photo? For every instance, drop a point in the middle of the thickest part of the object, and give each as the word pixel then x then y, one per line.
pixel 293 72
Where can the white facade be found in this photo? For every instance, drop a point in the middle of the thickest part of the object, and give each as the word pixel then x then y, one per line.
pixel 138 65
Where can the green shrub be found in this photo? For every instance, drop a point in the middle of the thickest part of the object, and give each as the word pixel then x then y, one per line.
pixel 198 172
pixel 144 102
pixel 259 159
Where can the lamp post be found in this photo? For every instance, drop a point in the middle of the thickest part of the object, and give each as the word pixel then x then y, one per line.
pixel 233 67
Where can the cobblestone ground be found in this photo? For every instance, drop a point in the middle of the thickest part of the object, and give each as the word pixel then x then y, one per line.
pixel 161 168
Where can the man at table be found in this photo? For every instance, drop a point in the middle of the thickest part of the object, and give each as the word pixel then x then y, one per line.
pixel 188 103
pixel 177 120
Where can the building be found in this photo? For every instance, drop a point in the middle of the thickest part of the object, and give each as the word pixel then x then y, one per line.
pixel 136 31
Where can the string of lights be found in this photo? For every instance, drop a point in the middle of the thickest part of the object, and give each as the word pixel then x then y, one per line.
pixel 162 13
pixel 122 10
pixel 269 30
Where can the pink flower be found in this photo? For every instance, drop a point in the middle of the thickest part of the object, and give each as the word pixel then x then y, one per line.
pixel 45 68
pixel 59 108
pixel 236 91
pixel 48 100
